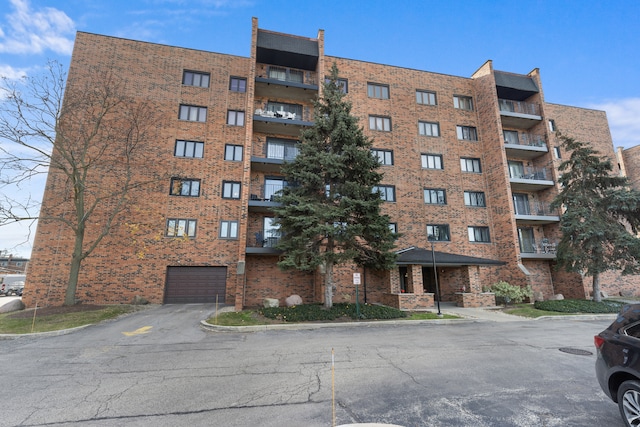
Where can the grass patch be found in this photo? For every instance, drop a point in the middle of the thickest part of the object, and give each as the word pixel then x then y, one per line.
pixel 528 310
pixel 564 307
pixel 421 315
pixel 317 312
pixel 22 322
pixel 237 318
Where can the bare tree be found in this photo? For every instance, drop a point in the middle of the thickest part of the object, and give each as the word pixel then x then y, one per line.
pixel 86 135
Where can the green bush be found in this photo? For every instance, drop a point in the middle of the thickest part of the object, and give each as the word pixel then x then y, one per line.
pixel 506 293
pixel 579 306
pixel 317 312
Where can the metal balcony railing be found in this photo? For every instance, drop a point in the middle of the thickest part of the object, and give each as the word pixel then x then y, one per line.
pixel 521 107
pixel 531 173
pixel 266 192
pixel 535 209
pixel 286 74
pixel 275 110
pixel 526 139
pixel 265 239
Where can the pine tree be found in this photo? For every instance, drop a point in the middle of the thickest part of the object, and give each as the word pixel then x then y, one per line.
pixel 601 216
pixel 330 213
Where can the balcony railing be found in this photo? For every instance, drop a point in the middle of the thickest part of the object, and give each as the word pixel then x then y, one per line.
pixel 535 209
pixel 291 75
pixel 268 239
pixel 543 247
pixel 282 111
pixel 266 192
pixel 531 173
pixel 526 139
pixel 520 107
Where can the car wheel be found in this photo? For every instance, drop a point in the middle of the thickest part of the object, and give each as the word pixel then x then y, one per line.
pixel 629 402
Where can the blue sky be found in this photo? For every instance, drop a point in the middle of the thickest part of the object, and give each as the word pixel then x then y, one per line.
pixel 587 50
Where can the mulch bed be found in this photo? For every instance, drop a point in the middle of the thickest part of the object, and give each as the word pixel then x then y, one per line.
pixel 46 311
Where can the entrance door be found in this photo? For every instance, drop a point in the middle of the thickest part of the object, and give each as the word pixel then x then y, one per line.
pixel 428 280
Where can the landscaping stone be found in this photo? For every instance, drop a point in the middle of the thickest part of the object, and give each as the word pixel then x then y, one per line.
pixel 14 305
pixel 293 300
pixel 557 297
pixel 271 302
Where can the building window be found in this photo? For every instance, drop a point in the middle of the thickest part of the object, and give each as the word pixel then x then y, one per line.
pixel 511 137
pixel 438 232
pixel 193 78
pixel 282 149
pixel 387 192
pixel 380 123
pixel 393 227
pixel 479 234
pixel 552 125
pixel 273 187
pixel 429 128
pixel 526 240
pixel 189 149
pixel 470 165
pixel 238 84
pixel 375 90
pixel 228 229
pixel 233 152
pixel 235 118
pixel 230 190
pixel 343 84
pixel 193 113
pixel 385 157
pixel 462 102
pixel 425 97
pixel 556 152
pixel 474 198
pixel 467 133
pixel 185 187
pixel 181 227
pixel 431 161
pixel 435 196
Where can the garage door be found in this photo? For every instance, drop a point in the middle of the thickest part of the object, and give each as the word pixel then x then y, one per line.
pixel 195 284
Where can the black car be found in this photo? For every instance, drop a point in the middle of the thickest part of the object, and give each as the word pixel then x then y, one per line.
pixel 618 363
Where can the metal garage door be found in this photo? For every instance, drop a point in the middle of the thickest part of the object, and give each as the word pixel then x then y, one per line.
pixel 195 284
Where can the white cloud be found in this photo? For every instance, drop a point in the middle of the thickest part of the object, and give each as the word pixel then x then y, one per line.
pixel 29 31
pixel 624 120
pixel 11 73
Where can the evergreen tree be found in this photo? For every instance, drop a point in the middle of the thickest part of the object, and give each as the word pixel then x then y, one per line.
pixel 601 216
pixel 330 213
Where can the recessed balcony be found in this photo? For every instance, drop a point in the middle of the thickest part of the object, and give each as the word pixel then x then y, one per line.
pixel 289 83
pixel 523 145
pixel 529 179
pixel 519 114
pixel 535 214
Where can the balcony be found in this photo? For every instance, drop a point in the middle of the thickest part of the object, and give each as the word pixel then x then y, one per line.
pixel 262 243
pixel 289 83
pixel 537 214
pixel 519 114
pixel 530 179
pixel 534 250
pixel 279 118
pixel 261 198
pixel 523 145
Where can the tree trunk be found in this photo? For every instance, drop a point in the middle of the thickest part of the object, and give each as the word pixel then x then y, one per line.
pixel 76 260
pixel 597 297
pixel 328 285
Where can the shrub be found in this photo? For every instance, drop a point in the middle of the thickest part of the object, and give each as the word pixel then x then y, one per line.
pixel 317 312
pixel 579 306
pixel 506 293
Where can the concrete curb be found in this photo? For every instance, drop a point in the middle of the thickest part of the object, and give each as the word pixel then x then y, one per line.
pixel 42 334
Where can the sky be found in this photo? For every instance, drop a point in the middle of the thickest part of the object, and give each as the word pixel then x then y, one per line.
pixel 587 50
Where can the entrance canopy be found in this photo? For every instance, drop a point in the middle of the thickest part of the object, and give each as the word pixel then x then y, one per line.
pixel 420 256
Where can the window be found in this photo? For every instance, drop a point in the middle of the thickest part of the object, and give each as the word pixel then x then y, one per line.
pixel 273 187
pixel 393 227
pixel 526 240
pixel 521 204
pixel 189 149
pixel 556 152
pixel 228 229
pixel 185 187
pixel 429 129
pixel 192 78
pixel 375 90
pixel 343 84
pixel 238 84
pixel 511 137
pixel 552 125
pixel 431 161
pixel 380 123
pixel 271 232
pixel 282 149
pixel 385 157
pixel 438 232
pixel 470 165
pixel 230 190
pixel 467 133
pixel 479 234
pixel 425 97
pixel 474 198
pixel 387 192
pixel 193 113
pixel 180 227
pixel 516 169
pixel 434 196
pixel 233 152
pixel 462 102
pixel 235 118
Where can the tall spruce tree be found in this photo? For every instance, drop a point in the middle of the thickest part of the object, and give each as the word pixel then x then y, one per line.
pixel 330 213
pixel 601 216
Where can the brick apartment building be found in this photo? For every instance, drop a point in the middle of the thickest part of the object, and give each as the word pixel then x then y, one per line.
pixel 472 161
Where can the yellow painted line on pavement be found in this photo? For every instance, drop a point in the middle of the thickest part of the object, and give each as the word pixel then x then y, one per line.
pixel 139 331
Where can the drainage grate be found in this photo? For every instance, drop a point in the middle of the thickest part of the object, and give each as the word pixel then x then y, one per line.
pixel 575 351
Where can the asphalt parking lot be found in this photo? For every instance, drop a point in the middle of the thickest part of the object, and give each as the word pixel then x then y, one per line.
pixel 158 367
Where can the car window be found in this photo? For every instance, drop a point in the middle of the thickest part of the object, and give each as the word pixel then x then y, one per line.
pixel 633 330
